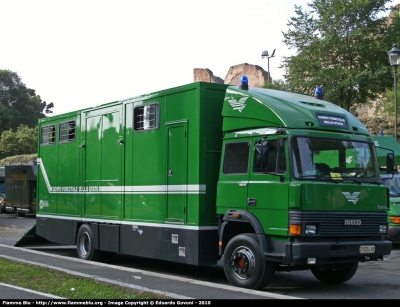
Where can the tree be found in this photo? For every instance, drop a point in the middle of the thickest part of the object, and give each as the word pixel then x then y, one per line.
pixel 19 105
pixel 342 46
pixel 280 85
pixel 386 105
pixel 23 141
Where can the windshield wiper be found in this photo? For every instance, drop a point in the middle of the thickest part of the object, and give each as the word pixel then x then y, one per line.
pixel 351 179
pixel 373 181
pixel 321 178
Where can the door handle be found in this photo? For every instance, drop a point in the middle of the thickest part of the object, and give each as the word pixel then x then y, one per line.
pixel 251 202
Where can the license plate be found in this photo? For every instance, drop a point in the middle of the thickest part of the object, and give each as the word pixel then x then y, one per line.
pixel 367 249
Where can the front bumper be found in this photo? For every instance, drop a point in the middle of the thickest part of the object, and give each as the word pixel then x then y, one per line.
pixel 336 252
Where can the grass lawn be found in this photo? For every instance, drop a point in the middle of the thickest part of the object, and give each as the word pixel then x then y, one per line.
pixel 65 285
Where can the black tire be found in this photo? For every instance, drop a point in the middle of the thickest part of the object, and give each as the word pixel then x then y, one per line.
pixel 244 263
pixel 85 244
pixel 336 276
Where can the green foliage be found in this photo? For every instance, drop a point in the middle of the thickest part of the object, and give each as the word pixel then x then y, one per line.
pixel 23 141
pixel 280 85
pixel 19 105
pixel 342 46
pixel 387 104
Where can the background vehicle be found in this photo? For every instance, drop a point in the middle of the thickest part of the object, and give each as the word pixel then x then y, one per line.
pixel 392 182
pixel 2 189
pixel 205 171
pixel 21 188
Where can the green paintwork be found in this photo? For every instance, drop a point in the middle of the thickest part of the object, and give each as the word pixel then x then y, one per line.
pixel 388 141
pixel 111 172
pixel 272 108
pixel 173 174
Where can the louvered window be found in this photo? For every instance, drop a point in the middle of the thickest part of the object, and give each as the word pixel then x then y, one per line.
pixel 67 131
pixel 48 135
pixel 146 117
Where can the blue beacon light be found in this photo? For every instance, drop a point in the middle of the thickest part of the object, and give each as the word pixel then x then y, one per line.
pixel 319 93
pixel 244 83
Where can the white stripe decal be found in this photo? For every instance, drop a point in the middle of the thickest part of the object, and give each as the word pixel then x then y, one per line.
pixel 46 179
pixel 149 189
pixel 119 222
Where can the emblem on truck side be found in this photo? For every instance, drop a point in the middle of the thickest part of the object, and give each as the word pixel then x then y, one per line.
pixel 348 159
pixel 352 197
pixel 43 203
pixel 238 105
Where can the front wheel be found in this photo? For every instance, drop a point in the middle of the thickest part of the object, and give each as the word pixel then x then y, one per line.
pixel 244 263
pixel 85 243
pixel 336 276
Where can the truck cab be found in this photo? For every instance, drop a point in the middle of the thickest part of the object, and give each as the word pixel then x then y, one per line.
pixel 299 176
pixel 387 145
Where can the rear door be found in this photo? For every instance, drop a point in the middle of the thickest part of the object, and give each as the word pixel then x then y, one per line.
pixel 176 172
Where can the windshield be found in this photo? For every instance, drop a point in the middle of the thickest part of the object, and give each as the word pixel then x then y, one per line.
pixel 393 184
pixel 331 159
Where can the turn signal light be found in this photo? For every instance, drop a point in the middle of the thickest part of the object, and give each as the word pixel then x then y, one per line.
pixel 295 230
pixel 395 219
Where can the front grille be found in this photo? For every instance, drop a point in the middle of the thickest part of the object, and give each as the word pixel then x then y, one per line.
pixel 333 223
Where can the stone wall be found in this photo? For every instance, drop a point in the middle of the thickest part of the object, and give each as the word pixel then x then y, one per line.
pixel 206 75
pixel 256 74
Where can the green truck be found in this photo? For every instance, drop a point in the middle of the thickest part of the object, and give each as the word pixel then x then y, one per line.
pixel 20 189
pixel 206 172
pixel 385 144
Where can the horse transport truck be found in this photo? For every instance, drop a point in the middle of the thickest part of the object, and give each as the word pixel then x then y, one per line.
pixel 263 180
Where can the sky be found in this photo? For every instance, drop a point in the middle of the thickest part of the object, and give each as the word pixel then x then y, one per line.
pixel 80 54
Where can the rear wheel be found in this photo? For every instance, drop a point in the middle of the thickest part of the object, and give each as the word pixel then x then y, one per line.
pixel 85 244
pixel 336 276
pixel 244 263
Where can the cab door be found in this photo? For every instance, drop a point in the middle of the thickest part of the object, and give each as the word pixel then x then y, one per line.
pixel 234 176
pixel 269 184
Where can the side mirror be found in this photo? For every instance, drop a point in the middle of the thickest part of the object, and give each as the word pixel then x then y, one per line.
pixel 390 163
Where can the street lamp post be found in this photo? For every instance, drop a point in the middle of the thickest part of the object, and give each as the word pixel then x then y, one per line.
pixel 265 54
pixel 394 58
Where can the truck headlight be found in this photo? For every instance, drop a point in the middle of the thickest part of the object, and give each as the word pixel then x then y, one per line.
pixel 311 229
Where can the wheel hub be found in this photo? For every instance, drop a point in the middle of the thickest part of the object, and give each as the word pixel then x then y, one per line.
pixel 243 262
pixel 84 243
